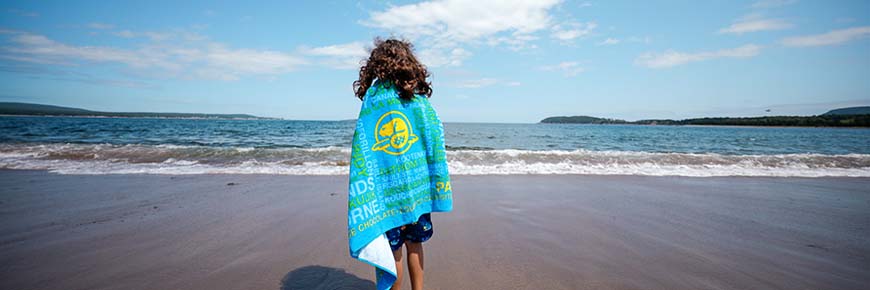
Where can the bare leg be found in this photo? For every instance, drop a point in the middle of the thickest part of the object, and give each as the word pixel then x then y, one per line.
pixel 415 264
pixel 397 255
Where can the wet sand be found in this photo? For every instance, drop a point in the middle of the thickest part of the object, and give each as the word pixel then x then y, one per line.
pixel 506 232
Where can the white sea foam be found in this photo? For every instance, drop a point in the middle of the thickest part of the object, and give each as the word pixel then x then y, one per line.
pixel 182 167
pixel 178 159
pixel 651 169
pixel 479 162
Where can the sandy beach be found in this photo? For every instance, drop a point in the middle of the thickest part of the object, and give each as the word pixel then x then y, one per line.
pixel 506 232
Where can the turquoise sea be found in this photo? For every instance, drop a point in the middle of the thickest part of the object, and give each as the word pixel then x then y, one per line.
pixel 76 145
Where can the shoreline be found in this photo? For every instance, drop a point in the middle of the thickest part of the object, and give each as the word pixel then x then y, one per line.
pixel 230 231
pixel 714 126
pixel 506 175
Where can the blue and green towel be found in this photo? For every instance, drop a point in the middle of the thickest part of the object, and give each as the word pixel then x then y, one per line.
pixel 398 172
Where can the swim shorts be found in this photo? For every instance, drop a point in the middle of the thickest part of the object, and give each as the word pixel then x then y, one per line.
pixel 417 232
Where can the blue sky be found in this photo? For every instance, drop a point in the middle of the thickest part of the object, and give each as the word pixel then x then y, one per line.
pixel 491 61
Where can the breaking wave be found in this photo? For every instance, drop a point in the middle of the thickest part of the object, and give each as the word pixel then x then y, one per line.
pixel 73 158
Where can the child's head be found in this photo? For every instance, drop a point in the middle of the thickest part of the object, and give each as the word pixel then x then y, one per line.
pixel 393 60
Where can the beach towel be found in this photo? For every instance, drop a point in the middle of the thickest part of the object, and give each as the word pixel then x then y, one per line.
pixel 398 172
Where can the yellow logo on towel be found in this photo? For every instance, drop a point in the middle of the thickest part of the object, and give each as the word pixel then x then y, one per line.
pixel 394 133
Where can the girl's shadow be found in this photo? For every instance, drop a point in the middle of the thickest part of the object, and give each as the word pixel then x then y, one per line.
pixel 323 278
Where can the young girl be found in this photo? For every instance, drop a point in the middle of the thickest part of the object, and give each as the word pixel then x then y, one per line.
pixel 398 159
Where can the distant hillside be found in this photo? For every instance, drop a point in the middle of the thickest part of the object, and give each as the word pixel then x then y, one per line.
pixel 581 120
pixel 850 111
pixel 835 120
pixel 38 109
pixel 792 121
pixel 12 108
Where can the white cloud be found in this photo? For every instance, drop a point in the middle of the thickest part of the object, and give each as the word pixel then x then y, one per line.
pixel 632 39
pixel 23 13
pixel 830 38
pixel 441 27
pixel 349 55
pixel 484 82
pixel 155 36
pixel 572 30
pixel 673 58
pixel 340 56
pixel 40 49
pixel 347 49
pixel 232 63
pixel 189 57
pixel 772 3
pixel 464 20
pixel 754 24
pixel 514 42
pixel 844 20
pixel 478 83
pixel 435 57
pixel 568 68
pixel 73 76
pixel 645 39
pixel 609 41
pixel 100 26
pixel 125 34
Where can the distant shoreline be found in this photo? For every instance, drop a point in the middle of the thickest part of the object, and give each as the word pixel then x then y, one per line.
pixel 860 119
pixel 354 120
pixel 705 125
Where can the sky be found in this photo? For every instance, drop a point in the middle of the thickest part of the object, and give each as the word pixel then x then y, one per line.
pixel 490 61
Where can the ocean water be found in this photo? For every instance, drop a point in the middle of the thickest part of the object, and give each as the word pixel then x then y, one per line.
pixel 72 145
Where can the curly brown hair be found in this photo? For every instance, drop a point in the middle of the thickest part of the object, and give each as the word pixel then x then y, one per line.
pixel 393 60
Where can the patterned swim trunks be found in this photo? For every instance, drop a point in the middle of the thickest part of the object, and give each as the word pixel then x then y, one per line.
pixel 416 232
